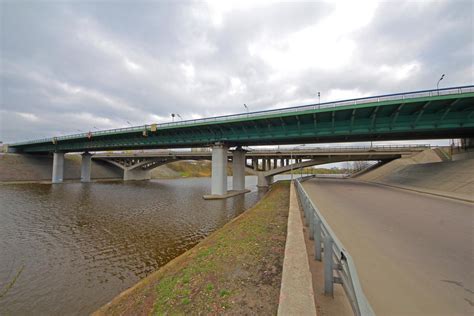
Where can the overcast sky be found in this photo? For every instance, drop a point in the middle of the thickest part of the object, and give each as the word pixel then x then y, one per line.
pixel 69 66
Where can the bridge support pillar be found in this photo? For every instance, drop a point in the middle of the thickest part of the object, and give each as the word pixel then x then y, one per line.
pixel 264 181
pixel 219 170
pixel 467 143
pixel 238 169
pixel 136 174
pixel 58 167
pixel 86 167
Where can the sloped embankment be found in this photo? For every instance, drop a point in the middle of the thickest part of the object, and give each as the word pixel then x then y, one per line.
pixel 15 167
pixel 427 171
pixel 236 270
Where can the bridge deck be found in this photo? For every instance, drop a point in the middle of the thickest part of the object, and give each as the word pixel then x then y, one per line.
pixel 448 113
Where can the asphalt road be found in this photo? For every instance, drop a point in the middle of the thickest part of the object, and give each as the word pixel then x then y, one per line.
pixel 414 253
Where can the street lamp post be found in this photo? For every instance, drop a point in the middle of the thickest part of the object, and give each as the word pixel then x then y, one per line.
pixel 247 108
pixel 437 85
pixel 319 99
pixel 172 116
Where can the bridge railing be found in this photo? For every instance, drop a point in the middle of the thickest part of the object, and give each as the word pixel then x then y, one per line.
pixel 298 151
pixel 223 118
pixel 409 147
pixel 331 251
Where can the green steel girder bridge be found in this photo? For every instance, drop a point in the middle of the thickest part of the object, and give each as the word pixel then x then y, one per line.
pixel 428 114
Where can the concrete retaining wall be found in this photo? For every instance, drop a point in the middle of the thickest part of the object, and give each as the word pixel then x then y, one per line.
pixel 426 171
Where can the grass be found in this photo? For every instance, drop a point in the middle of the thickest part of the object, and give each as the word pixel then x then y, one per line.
pixel 235 270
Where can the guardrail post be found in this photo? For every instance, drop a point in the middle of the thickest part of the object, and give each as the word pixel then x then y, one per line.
pixel 311 224
pixel 328 266
pixel 306 210
pixel 317 239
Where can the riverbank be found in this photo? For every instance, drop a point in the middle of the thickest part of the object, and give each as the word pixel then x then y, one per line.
pixel 24 168
pixel 235 270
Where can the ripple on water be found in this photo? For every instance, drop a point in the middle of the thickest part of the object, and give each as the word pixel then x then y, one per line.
pixel 82 244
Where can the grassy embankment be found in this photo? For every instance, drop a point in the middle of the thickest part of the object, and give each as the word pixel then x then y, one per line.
pixel 235 270
pixel 185 169
pixel 203 169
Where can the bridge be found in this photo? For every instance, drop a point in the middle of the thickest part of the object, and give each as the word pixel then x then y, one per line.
pixel 428 114
pixel 263 163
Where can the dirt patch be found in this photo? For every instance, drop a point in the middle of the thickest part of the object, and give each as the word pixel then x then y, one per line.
pixel 235 271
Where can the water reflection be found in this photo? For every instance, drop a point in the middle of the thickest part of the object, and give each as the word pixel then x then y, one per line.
pixel 82 244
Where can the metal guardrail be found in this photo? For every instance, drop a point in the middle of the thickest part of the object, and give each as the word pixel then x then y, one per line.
pixel 309 149
pixel 299 151
pixel 335 258
pixel 223 118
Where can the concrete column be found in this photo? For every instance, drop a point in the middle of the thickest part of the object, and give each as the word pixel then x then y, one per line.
pixel 255 164
pixel 58 167
pixel 238 169
pixel 269 164
pixel 219 170
pixel 275 163
pixel 136 174
pixel 86 167
pixel 264 181
pixel 467 143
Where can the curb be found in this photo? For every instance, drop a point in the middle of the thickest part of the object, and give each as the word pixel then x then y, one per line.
pixel 443 195
pixel 296 291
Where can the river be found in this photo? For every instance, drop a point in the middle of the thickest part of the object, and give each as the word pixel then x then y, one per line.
pixel 82 244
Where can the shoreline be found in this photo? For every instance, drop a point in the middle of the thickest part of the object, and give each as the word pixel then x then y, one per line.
pixel 237 268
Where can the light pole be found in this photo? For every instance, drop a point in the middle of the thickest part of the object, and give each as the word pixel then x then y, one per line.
pixel 291 158
pixel 129 123
pixel 437 85
pixel 319 98
pixel 179 116
pixel 246 107
pixel 172 116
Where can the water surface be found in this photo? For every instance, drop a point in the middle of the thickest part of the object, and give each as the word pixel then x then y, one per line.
pixel 82 244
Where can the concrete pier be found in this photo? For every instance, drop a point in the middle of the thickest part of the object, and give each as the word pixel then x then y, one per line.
pixel 238 169
pixel 264 181
pixel 219 170
pixel 136 174
pixel 58 167
pixel 86 167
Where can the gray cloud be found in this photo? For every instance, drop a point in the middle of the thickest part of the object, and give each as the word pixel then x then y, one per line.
pixel 67 66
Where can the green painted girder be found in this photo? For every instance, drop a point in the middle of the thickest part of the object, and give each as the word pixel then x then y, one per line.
pixel 446 116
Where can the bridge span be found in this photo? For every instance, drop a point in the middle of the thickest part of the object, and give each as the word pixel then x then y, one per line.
pixel 263 163
pixel 428 114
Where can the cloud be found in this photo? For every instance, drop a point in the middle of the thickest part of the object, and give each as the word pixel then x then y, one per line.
pixel 68 66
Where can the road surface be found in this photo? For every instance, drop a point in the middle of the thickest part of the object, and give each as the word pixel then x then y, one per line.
pixel 414 253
